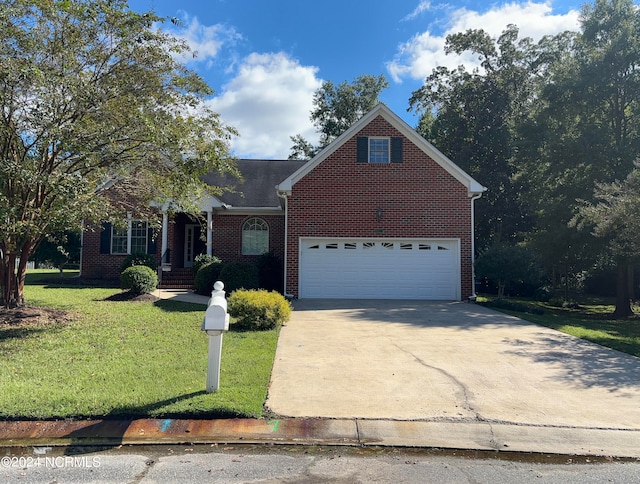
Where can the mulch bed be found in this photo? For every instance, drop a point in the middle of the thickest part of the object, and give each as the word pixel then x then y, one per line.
pixel 30 316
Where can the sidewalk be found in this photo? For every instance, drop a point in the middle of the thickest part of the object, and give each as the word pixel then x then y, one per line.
pixel 184 295
pixel 482 436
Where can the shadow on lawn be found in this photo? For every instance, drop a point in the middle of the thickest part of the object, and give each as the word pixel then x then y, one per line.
pixel 116 429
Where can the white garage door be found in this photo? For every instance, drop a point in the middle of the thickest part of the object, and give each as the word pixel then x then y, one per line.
pixel 379 268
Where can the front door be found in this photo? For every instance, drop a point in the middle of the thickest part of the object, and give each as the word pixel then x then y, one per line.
pixel 190 235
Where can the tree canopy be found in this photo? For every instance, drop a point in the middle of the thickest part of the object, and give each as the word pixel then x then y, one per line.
pixel 336 108
pixel 93 96
pixel 541 124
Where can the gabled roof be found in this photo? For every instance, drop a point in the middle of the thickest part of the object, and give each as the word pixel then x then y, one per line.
pixel 473 187
pixel 256 189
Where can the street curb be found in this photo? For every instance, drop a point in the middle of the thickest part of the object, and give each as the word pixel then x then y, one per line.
pixel 482 436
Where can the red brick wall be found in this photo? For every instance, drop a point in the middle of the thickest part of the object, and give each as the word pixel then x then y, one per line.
pixel 95 265
pixel 227 244
pixel 227 236
pixel 342 198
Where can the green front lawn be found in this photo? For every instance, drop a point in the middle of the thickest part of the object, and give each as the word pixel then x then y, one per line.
pixel 590 321
pixel 124 359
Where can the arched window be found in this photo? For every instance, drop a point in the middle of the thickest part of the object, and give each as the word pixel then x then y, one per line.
pixel 255 237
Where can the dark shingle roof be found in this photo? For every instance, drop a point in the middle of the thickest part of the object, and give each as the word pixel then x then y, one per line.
pixel 257 188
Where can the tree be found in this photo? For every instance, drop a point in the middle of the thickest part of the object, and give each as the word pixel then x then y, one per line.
pixel 91 97
pixel 58 249
pixel 336 109
pixel 615 216
pixel 584 127
pixel 509 266
pixel 476 121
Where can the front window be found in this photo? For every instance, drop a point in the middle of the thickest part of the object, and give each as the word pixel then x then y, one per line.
pixel 130 239
pixel 378 150
pixel 255 237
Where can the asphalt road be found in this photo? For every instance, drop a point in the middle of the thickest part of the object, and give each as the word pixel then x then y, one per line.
pixel 302 464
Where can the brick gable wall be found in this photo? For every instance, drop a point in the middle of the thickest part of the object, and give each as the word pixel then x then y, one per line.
pixel 413 199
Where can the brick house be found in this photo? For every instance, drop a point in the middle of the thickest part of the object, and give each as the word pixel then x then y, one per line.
pixel 379 213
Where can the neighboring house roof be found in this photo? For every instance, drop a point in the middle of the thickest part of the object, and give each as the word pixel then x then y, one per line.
pixel 473 187
pixel 257 188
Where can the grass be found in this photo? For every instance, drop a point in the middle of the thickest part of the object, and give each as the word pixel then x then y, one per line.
pixel 591 321
pixel 125 359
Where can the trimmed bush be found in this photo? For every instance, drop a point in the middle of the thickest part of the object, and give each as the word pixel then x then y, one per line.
pixel 139 280
pixel 239 275
pixel 202 260
pixel 206 277
pixel 139 260
pixel 258 309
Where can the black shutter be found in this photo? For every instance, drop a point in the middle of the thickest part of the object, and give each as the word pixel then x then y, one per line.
pixel 105 238
pixel 363 150
pixel 396 150
pixel 151 242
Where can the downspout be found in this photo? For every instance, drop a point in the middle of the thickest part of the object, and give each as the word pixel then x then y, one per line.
pixel 209 231
pixel 283 195
pixel 473 296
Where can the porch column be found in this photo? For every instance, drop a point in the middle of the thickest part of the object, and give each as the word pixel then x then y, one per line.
pixel 209 232
pixel 165 235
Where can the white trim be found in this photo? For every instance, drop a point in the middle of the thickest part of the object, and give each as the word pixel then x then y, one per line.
pixel 473 187
pixel 257 211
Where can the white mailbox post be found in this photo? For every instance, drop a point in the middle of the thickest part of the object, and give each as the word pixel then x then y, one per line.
pixel 216 322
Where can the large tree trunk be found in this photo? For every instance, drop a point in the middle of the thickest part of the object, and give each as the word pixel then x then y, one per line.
pixel 12 280
pixel 623 302
pixel 9 280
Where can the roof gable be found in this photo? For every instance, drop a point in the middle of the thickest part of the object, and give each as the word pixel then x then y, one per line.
pixel 473 187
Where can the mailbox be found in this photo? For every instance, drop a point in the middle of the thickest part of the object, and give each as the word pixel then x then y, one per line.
pixel 216 321
pixel 216 317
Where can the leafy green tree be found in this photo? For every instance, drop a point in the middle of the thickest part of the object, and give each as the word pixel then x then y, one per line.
pixel 58 250
pixel 476 120
pixel 92 97
pixel 336 108
pixel 583 129
pixel 509 267
pixel 615 217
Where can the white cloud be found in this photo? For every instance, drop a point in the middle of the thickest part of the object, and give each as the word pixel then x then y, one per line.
pixel 205 41
pixel 269 100
pixel 417 57
pixel 423 6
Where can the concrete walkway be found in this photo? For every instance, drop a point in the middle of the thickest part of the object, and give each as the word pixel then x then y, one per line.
pixel 447 362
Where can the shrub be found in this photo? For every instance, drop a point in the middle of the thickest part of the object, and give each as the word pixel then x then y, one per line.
pixel 206 277
pixel 258 309
pixel 512 268
pixel 270 272
pixel 513 306
pixel 139 259
pixel 202 260
pixel 139 279
pixel 239 275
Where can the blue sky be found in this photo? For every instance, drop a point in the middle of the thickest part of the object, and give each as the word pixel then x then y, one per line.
pixel 265 58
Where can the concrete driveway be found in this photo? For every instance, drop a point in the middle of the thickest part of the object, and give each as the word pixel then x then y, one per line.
pixel 446 361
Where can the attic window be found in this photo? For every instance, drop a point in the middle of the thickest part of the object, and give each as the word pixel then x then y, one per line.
pixel 379 149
